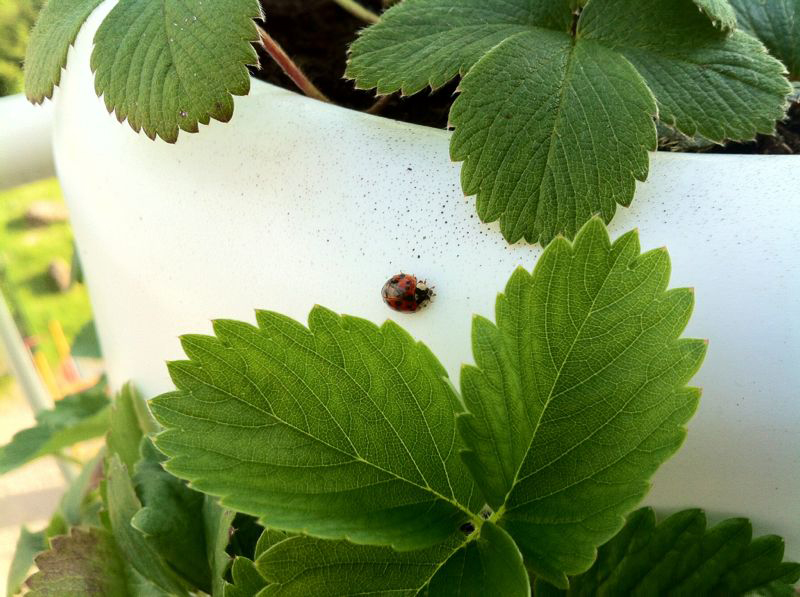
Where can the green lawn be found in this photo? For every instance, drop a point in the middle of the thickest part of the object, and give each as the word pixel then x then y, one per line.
pixel 24 257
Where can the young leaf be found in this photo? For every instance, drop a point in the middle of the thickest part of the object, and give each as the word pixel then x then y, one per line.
pixel 777 24
pixel 705 81
pixel 490 565
pixel 85 563
pixel 247 581
pixel 303 565
pixel 578 395
pixel 73 506
pixel 269 538
pixel 533 156
pixel 168 65
pixel 681 557
pixel 341 429
pixel 169 518
pixel 130 420
pixel 55 31
pixel 720 12
pixel 122 504
pixel 217 525
pixel 28 546
pixel 73 419
pixel 554 122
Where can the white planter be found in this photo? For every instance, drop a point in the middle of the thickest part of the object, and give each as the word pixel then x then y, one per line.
pixel 295 202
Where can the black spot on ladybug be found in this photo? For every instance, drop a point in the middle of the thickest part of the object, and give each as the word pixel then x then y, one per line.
pixel 405 294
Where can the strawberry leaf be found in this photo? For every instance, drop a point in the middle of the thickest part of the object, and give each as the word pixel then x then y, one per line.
pixel 777 24
pixel 72 419
pixel 554 119
pixel 530 150
pixel 720 12
pixel 55 31
pixel 486 563
pixel 680 556
pixel 166 65
pixel 122 504
pixel 85 563
pixel 578 395
pixel 280 422
pixel 706 82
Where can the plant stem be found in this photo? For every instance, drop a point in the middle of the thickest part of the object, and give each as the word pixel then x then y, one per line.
pixel 359 11
pixel 379 104
pixel 288 66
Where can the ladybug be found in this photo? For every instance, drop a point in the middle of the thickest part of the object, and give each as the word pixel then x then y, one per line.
pixel 405 294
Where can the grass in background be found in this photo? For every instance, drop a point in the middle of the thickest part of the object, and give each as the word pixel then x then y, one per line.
pixel 25 254
pixel 16 19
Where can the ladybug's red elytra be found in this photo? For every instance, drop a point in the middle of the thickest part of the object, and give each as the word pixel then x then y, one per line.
pixel 405 294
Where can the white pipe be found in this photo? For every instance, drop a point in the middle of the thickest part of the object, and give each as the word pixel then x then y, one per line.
pixel 26 152
pixel 25 373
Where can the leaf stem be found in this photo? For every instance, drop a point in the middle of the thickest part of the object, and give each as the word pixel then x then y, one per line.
pixel 289 66
pixel 359 11
pixel 379 104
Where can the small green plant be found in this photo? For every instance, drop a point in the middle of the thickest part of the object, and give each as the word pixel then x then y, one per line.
pixel 338 459
pixel 556 110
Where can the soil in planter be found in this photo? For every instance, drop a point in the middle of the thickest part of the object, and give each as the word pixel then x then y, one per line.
pixel 317 33
pixel 786 139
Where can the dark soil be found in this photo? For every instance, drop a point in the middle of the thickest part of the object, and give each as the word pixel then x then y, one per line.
pixel 317 33
pixel 786 139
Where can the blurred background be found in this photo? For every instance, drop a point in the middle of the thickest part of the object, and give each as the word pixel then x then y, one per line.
pixel 48 348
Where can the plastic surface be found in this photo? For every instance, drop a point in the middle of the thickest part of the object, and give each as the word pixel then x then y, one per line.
pixel 295 202
pixel 26 153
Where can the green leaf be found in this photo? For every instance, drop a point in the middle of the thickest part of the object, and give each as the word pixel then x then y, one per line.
pixel 122 505
pixel 303 565
pixel 166 65
pixel 491 565
pixel 130 420
pixel 169 518
pixel 554 119
pixel 247 581
pixel 421 43
pixel 777 24
pixel 55 31
pixel 578 395
pixel 269 538
pixel 86 343
pixel 705 81
pixel 140 586
pixel 28 546
pixel 217 525
pixel 73 419
pixel 533 155
pixel 281 422
pixel 487 563
pixel 720 12
pixel 85 563
pixel 73 505
pixel 681 557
